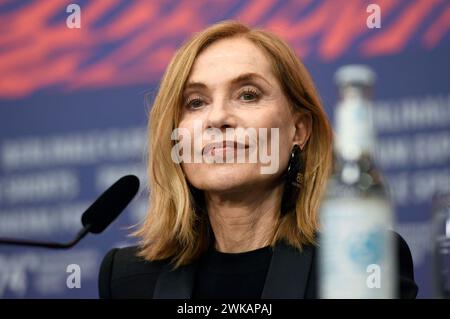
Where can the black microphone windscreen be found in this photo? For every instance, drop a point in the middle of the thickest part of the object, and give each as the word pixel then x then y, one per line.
pixel 110 204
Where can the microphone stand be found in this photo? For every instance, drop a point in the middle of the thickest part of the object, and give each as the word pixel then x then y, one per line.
pixel 24 242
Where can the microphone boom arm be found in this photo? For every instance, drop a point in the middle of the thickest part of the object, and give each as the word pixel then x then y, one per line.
pixel 24 242
pixel 97 217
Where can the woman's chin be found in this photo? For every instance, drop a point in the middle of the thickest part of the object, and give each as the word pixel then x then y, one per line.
pixel 225 179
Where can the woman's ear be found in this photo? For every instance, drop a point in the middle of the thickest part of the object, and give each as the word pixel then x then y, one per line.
pixel 303 127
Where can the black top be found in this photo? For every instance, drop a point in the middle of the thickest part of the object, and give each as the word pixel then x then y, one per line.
pixel 291 274
pixel 232 275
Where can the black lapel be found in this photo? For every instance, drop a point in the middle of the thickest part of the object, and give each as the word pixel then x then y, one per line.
pixel 287 276
pixel 288 272
pixel 175 284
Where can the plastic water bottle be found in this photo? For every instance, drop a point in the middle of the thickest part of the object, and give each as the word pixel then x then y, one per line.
pixel 356 248
pixel 441 247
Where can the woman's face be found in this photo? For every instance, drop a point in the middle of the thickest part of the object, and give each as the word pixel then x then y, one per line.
pixel 232 87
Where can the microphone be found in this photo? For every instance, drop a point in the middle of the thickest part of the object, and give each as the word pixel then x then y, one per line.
pixel 97 217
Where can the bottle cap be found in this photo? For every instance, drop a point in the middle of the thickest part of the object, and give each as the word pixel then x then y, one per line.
pixel 354 74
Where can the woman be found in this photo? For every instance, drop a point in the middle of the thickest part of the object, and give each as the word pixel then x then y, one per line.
pixel 232 229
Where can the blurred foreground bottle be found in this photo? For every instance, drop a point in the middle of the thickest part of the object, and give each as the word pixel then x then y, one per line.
pixel 357 250
pixel 441 248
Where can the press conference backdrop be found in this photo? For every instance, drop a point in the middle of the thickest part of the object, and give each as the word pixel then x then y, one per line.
pixel 74 104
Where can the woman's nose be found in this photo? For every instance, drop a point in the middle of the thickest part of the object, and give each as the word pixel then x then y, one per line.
pixel 220 115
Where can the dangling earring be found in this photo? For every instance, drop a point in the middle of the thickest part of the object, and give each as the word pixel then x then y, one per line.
pixel 293 180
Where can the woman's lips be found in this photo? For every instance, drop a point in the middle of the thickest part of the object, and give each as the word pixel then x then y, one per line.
pixel 221 147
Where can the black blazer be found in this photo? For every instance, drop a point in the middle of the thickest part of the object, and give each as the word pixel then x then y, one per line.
pixel 292 275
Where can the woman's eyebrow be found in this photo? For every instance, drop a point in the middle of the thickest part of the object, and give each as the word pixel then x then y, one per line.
pixel 246 77
pixel 195 85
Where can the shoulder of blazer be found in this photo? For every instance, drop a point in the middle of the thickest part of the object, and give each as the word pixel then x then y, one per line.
pixel 123 274
pixel 408 288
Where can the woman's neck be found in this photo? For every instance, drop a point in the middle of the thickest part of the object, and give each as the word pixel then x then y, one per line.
pixel 243 221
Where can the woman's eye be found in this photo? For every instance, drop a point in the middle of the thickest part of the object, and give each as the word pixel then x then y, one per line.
pixel 194 103
pixel 249 96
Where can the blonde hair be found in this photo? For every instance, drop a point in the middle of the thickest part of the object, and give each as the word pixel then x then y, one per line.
pixel 172 229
